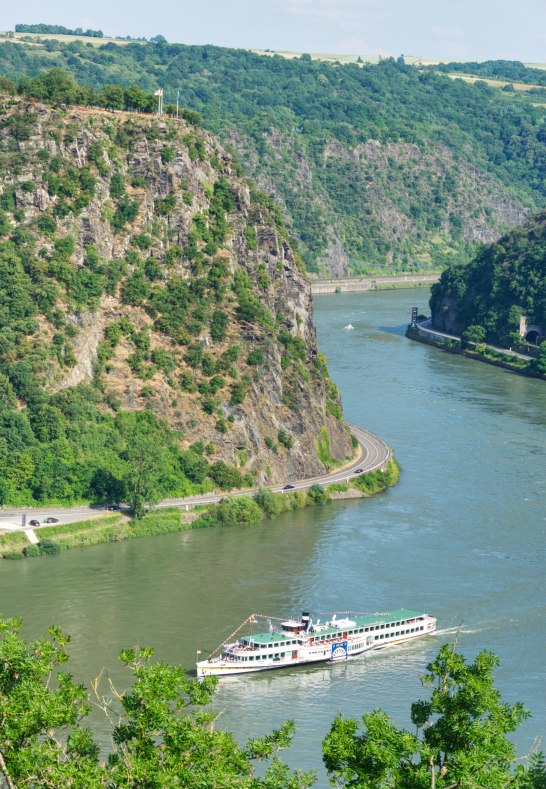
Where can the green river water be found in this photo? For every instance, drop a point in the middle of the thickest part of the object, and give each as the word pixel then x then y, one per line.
pixel 462 536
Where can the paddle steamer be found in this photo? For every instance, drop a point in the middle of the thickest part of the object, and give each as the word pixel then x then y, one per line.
pixel 301 640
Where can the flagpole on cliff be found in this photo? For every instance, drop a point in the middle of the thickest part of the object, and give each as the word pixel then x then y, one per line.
pixel 159 94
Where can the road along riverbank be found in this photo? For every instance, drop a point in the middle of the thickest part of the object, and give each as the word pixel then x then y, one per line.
pixel 372 470
pixel 482 352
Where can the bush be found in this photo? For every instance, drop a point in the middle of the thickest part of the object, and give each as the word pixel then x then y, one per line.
pixel 226 477
pixel 317 494
pixel 238 393
pixel 375 481
pixel 255 357
pixel 271 503
pixel 142 241
pixel 49 547
pixel 285 440
pixel 167 155
pixel 32 551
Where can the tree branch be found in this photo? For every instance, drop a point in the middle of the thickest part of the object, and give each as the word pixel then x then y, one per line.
pixel 5 771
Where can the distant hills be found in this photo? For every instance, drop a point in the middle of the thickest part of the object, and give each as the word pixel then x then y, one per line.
pixel 375 166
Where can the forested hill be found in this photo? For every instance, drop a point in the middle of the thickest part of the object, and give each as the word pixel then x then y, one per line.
pixel 386 163
pixel 151 311
pixel 506 280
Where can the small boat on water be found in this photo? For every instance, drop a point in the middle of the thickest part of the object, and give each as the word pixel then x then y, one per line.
pixel 298 641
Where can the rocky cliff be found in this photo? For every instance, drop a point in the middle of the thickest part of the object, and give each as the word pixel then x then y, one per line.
pixel 162 280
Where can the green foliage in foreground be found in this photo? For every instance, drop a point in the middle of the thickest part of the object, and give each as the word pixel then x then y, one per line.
pixel 162 737
pixel 460 736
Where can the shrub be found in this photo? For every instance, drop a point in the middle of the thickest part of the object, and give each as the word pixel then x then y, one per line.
pixel 226 477
pixel 255 357
pixel 32 551
pixel 47 224
pixel 167 154
pixel 271 503
pixel 375 481
pixel 117 186
pixel 238 393
pixel 126 212
pixel 221 425
pixel 218 326
pixel 285 440
pixel 187 382
pixel 49 547
pixel 317 494
pixel 138 182
pixel 142 241
pixel 270 444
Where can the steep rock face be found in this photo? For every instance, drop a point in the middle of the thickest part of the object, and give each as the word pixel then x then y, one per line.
pixel 180 288
pixel 393 203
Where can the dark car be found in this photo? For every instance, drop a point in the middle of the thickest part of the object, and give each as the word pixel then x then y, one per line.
pixel 359 471
pixel 34 523
pixel 113 507
pixel 288 487
pixel 51 520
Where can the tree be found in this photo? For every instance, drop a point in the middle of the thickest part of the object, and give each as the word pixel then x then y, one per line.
pixel 54 85
pixel 473 334
pixel 541 359
pixel 143 479
pixel 460 738
pixel 112 97
pixel 161 739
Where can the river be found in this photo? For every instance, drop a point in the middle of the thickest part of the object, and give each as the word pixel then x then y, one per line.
pixel 462 536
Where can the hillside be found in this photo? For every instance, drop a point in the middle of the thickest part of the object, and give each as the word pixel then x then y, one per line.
pixel 505 281
pixel 383 164
pixel 149 299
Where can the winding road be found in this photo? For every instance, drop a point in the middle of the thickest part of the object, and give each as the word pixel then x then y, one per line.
pixel 373 454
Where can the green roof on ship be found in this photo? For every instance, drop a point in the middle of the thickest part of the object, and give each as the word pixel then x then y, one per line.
pixel 361 620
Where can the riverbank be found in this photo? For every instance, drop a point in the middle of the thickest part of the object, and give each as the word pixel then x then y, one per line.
pixel 508 360
pixel 364 283
pixel 230 511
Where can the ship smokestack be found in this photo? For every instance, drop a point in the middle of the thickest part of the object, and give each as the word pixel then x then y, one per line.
pixel 306 619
